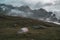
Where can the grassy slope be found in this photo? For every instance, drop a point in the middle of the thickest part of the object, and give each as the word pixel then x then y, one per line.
pixel 8 30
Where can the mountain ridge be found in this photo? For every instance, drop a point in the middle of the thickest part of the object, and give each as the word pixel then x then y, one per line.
pixel 26 11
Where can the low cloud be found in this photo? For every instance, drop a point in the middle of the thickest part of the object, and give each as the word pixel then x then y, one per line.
pixel 49 5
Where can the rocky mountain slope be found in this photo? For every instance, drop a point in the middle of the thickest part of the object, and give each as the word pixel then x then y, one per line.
pixel 26 11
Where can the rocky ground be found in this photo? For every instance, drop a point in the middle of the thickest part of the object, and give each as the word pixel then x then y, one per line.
pixel 10 25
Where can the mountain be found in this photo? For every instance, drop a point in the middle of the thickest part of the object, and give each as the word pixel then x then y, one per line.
pixel 25 8
pixel 41 13
pixel 4 9
pixel 26 11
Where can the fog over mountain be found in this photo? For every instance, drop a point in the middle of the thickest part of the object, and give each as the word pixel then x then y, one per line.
pixel 26 11
pixel 48 10
pixel 49 5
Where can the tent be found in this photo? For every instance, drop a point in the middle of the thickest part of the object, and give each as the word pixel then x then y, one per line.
pixel 23 30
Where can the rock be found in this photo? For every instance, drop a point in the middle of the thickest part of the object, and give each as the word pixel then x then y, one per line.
pixel 39 27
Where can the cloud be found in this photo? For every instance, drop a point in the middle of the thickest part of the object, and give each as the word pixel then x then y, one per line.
pixel 25 2
pixel 49 5
pixel 54 7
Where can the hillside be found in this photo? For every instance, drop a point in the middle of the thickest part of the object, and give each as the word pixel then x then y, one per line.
pixel 8 30
pixel 22 21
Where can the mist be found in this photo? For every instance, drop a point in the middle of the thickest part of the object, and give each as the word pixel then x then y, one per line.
pixel 49 5
pixel 15 12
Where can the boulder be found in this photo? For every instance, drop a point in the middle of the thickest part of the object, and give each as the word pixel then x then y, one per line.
pixel 39 27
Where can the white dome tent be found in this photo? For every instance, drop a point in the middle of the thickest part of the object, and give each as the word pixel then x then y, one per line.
pixel 23 30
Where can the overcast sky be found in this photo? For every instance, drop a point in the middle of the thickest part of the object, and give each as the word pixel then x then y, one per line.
pixel 35 4
pixel 50 5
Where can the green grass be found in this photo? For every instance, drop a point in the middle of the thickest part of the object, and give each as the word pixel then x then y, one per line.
pixel 9 32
